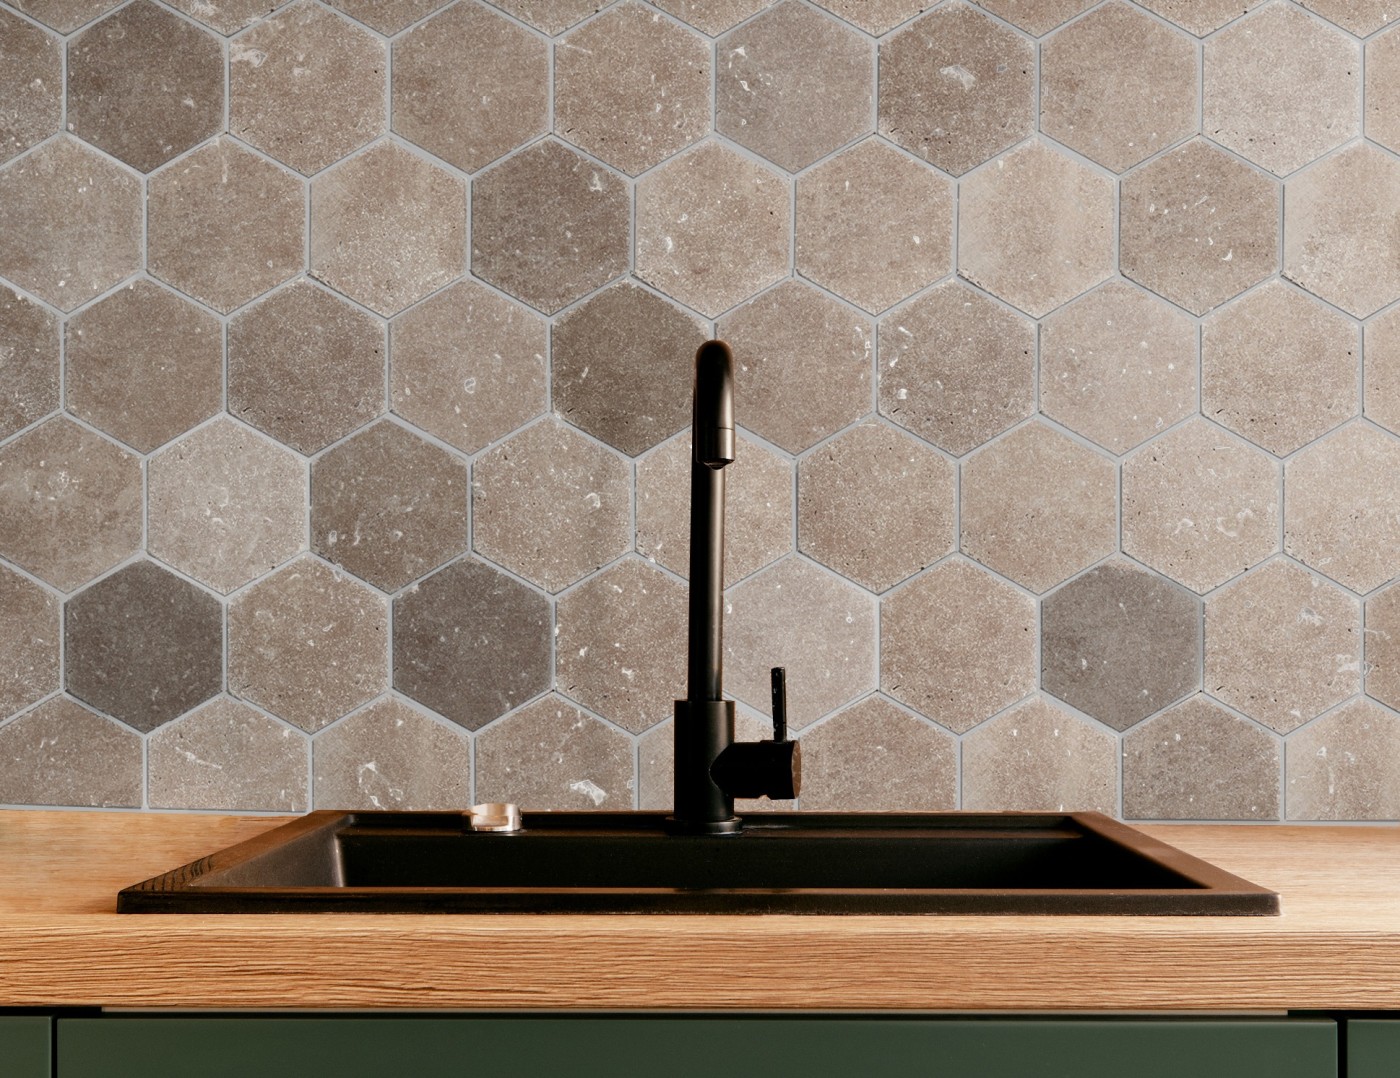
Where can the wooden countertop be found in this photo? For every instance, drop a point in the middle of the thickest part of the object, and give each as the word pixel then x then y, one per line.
pixel 1336 945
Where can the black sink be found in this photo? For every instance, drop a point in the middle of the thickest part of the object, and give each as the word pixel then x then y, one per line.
pixel 626 862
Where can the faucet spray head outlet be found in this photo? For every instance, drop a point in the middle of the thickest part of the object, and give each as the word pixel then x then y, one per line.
pixel 713 415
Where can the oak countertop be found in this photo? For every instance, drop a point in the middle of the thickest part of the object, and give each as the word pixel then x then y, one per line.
pixel 1335 946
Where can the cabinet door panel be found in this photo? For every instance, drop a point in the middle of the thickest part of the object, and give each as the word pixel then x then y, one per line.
pixel 1373 1048
pixel 24 1047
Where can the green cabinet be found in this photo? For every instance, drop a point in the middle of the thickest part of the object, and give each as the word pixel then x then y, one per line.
pixel 24 1047
pixel 117 1046
pixel 1373 1048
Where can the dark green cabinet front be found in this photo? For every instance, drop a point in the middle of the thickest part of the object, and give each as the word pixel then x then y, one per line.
pixel 1373 1048
pixel 695 1047
pixel 24 1047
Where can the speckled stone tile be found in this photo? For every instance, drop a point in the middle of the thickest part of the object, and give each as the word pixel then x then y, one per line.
pixel 875 16
pixel 387 16
pixel 1281 89
pixel 875 505
pixel 388 506
pixel 802 365
pixel 874 226
pixel 1120 643
pixel 1199 505
pixel 29 359
pixel 145 85
pixel 551 755
pixel 1361 17
pixel 1279 368
pixel 551 16
pixel 387 228
pixel 62 754
pixel 29 642
pixel 471 643
pixel 1037 757
pixel 624 365
pixel 70 503
pixel 227 757
pixel 712 16
pixel 1381 388
pixel 621 644
pixel 144 365
pixel 305 366
pixel 227 16
pixel 65 16
pixel 143 645
pixel 549 226
pixel 467 365
pixel 391 756
pixel 831 662
pixel 1118 86
pixel 1198 226
pixel 1011 243
pixel 689 211
pixel 1038 507
pixel 956 367
pixel 224 225
pixel 1345 766
pixel 470 86
pixel 632 87
pixel 1282 645
pixel 957 645
pixel 1199 762
pixel 1117 366
pixel 550 505
pixel 1382 119
pixel 1201 17
pixel 307 86
pixel 1382 636
pixel 309 644
pixel 57 198
pixel 759 493
pixel 656 757
pixel 226 505
pixel 1035 16
pixel 1342 507
pixel 1338 229
pixel 956 87
pixel 876 757
pixel 793 85
pixel 31 84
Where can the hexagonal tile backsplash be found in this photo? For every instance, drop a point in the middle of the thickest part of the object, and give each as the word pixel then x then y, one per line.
pixel 345 376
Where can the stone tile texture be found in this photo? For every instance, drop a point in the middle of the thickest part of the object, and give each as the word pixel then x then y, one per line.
pixel 31 84
pixel 29 359
pixel 29 635
pixel 1037 757
pixel 390 756
pixel 1344 767
pixel 62 754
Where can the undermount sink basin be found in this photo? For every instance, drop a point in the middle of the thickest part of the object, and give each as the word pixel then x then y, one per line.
pixel 626 862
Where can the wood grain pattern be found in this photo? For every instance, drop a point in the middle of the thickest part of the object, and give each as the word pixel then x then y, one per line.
pixel 1336 945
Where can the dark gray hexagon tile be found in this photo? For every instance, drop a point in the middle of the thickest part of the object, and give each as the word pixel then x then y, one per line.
pixel 623 365
pixel 225 225
pixel 145 85
pixel 144 365
pixel 551 755
pixel 31 84
pixel 656 757
pixel 225 505
pixel 957 645
pixel 70 503
pixel 1199 762
pixel 468 366
pixel 549 226
pixel 550 505
pixel 802 365
pixel 632 88
pixel 72 222
pixel 875 505
pixel 62 754
pixel 305 366
pixel 388 506
pixel 226 756
pixel 308 643
pixel 759 490
pixel 1120 643
pixel 471 643
pixel 1037 757
pixel 390 756
pixel 1382 642
pixel 143 645
pixel 1282 646
pixel 621 644
pixel 1345 766
pixel 387 16
pixel 956 368
pixel 876 757
pixel 29 357
pixel 29 634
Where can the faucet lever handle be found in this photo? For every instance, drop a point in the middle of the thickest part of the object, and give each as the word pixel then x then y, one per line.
pixel 779 703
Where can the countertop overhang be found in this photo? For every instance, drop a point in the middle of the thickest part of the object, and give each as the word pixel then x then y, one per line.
pixel 1336 944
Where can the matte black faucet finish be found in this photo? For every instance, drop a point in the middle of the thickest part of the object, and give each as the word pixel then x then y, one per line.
pixel 711 767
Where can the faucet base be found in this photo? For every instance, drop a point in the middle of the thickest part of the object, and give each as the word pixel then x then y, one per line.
pixel 731 826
